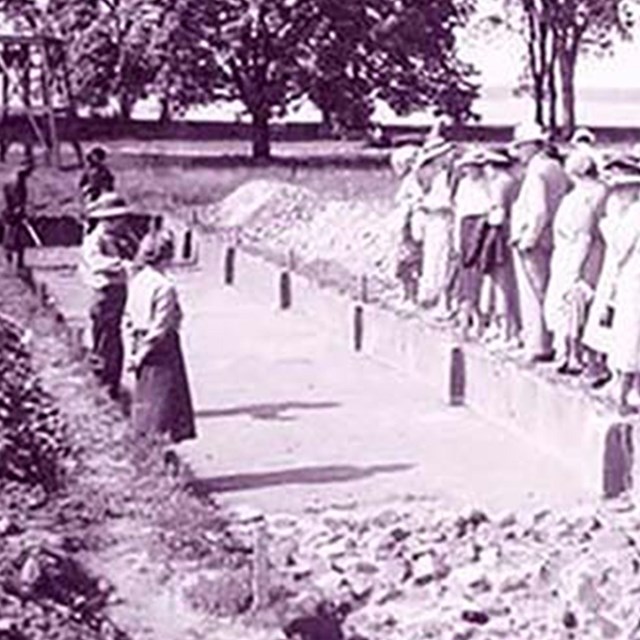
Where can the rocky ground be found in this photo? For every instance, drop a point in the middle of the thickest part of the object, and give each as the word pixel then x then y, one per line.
pixel 95 543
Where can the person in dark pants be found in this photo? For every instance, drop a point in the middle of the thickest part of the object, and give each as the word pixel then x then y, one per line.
pixel 97 179
pixel 106 254
pixel 14 215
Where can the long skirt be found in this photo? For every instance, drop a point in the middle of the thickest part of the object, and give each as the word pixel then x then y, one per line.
pixel 472 232
pixel 107 309
pixel 437 264
pixel 162 403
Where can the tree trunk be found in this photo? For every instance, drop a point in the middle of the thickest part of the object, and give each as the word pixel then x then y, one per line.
pixel 552 90
pixel 568 92
pixel 126 106
pixel 261 143
pixel 165 110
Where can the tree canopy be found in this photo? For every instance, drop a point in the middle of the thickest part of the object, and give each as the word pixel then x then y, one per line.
pixel 267 55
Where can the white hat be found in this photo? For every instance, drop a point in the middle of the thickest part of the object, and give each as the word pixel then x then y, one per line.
pixel 474 156
pixel 620 181
pixel 402 158
pixel 584 135
pixel 108 205
pixel 527 132
pixel 433 149
pixel 580 161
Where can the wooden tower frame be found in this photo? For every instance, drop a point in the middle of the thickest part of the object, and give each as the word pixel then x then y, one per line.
pixel 35 95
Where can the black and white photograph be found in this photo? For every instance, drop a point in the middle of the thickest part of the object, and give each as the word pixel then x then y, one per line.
pixel 319 319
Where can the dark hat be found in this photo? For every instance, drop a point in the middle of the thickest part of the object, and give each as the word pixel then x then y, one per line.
pixel 98 154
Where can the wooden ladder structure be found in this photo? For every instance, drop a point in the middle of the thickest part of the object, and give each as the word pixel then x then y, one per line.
pixel 36 96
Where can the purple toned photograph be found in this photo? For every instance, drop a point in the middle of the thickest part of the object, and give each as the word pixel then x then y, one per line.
pixel 319 320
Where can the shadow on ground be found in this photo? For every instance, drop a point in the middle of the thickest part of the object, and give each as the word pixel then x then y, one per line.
pixel 304 475
pixel 273 411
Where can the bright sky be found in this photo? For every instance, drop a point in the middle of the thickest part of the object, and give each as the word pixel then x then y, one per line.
pixel 499 59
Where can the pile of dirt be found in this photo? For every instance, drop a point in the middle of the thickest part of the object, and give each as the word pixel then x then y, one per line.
pixel 290 220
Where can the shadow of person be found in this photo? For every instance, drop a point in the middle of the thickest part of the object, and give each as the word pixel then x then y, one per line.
pixel 299 476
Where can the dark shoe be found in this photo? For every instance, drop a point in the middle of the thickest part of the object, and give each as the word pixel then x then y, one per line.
pixel 602 380
pixel 543 358
pixel 566 370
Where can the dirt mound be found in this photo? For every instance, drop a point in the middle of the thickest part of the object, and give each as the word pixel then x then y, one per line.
pixel 286 219
pixel 263 205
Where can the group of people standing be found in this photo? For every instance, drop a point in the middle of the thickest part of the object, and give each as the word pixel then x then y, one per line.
pixel 528 249
pixel 135 312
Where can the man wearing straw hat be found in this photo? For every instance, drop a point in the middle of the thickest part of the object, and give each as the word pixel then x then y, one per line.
pixel 15 215
pixel 543 187
pixel 106 254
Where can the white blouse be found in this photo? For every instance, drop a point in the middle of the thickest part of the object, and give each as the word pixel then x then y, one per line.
pixel 152 309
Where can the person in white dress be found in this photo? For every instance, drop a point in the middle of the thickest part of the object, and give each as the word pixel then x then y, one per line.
pixel 572 279
pixel 624 190
pixel 432 224
pixel 624 352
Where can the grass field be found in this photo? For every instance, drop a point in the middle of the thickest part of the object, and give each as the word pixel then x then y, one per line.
pixel 162 189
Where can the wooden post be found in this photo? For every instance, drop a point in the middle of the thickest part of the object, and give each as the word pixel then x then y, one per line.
pixel 457 377
pixel 285 283
pixel 358 317
pixel 260 573
pixel 187 245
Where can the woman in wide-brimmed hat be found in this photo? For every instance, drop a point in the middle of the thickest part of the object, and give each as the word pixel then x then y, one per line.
pixel 623 178
pixel 432 223
pixel 106 254
pixel 623 252
pixel 162 407
pixel 576 258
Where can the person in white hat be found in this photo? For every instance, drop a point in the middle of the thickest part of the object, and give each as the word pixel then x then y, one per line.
pixel 614 319
pixel 432 224
pixel 544 185
pixel 576 259
pixel 623 178
pixel 106 257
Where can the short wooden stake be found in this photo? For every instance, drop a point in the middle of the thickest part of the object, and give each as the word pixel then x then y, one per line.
pixel 285 290
pixel 618 460
pixel 358 327
pixel 229 266
pixel 457 378
pixel 187 245
pixel 260 574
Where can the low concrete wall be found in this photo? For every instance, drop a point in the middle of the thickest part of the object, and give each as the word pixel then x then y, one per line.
pixel 566 423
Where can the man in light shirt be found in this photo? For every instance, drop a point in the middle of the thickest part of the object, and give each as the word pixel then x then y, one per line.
pixel 107 252
pixel 543 186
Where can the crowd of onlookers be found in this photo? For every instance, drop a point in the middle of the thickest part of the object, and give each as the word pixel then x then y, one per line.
pixel 530 248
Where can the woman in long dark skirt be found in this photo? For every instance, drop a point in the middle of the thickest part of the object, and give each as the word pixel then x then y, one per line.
pixel 162 407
